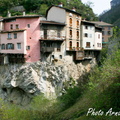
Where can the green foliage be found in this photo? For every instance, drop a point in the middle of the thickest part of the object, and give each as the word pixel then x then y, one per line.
pixel 32 5
pixel 42 9
pixel 102 93
pixel 105 84
pixel 40 6
pixel 40 109
pixel 70 97
pixel 116 32
pixel 103 55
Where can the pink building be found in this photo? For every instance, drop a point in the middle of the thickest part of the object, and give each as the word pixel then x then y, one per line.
pixel 20 38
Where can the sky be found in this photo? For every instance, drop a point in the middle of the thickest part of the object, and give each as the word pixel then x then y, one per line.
pixel 99 5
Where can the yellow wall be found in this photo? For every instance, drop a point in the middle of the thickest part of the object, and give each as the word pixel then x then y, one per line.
pixel 74 29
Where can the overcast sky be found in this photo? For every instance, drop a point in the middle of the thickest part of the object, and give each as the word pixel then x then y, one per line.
pixel 99 5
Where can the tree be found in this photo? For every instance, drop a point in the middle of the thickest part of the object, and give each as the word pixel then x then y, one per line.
pixel 43 9
pixel 116 32
pixel 31 5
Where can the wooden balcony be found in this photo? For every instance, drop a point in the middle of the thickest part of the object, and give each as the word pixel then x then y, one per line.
pixel 80 55
pixel 47 49
pixel 53 38
pixel 74 49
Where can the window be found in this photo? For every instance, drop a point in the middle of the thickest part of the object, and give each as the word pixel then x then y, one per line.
pixel 87 44
pixel 77 34
pixel 98 36
pixel 18 45
pixel 9 46
pixel 109 32
pixel 109 28
pixel 103 33
pixel 28 25
pixel 90 35
pixel 9 35
pixel 70 44
pixel 85 35
pixel 17 26
pixel 103 28
pixel 98 44
pixel 77 44
pixel 77 23
pixel 103 39
pixel 15 35
pixel 11 26
pixel 91 27
pixel 3 46
pixel 60 56
pixel 70 33
pixel 86 27
pixel 27 47
pixel 70 21
pixel 58 33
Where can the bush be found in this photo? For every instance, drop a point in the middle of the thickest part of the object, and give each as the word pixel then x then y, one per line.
pixel 39 109
pixel 70 97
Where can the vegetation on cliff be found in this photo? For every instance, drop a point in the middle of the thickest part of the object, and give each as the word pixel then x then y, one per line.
pixel 40 7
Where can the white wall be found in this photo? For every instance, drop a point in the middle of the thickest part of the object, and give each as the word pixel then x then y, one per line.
pixel 91 36
pixel 56 14
pixel 98 40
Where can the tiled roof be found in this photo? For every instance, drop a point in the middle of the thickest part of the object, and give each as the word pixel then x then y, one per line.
pixel 51 22
pixel 91 23
pixel 101 23
pixel 21 16
pixel 64 9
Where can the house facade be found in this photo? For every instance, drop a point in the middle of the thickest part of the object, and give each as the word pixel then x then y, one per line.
pixel 61 36
pixel 107 31
pixel 72 21
pixel 91 39
pixel 20 39
pixel 52 41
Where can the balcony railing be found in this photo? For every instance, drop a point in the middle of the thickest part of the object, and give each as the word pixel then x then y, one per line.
pixel 52 37
pixel 75 48
pixel 47 49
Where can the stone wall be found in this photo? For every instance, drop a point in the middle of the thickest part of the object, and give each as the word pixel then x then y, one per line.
pixel 19 83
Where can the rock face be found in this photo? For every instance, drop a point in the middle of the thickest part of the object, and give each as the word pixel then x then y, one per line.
pixel 19 83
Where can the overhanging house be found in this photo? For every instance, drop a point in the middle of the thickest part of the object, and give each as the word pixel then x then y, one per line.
pixel 107 31
pixel 91 39
pixel 52 41
pixel 72 21
pixel 20 39
pixel 61 36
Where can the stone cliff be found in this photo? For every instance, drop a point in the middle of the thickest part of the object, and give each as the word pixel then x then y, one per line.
pixel 19 83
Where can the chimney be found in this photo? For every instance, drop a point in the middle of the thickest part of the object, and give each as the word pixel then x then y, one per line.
pixel 24 13
pixel 73 9
pixel 9 14
pixel 60 4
